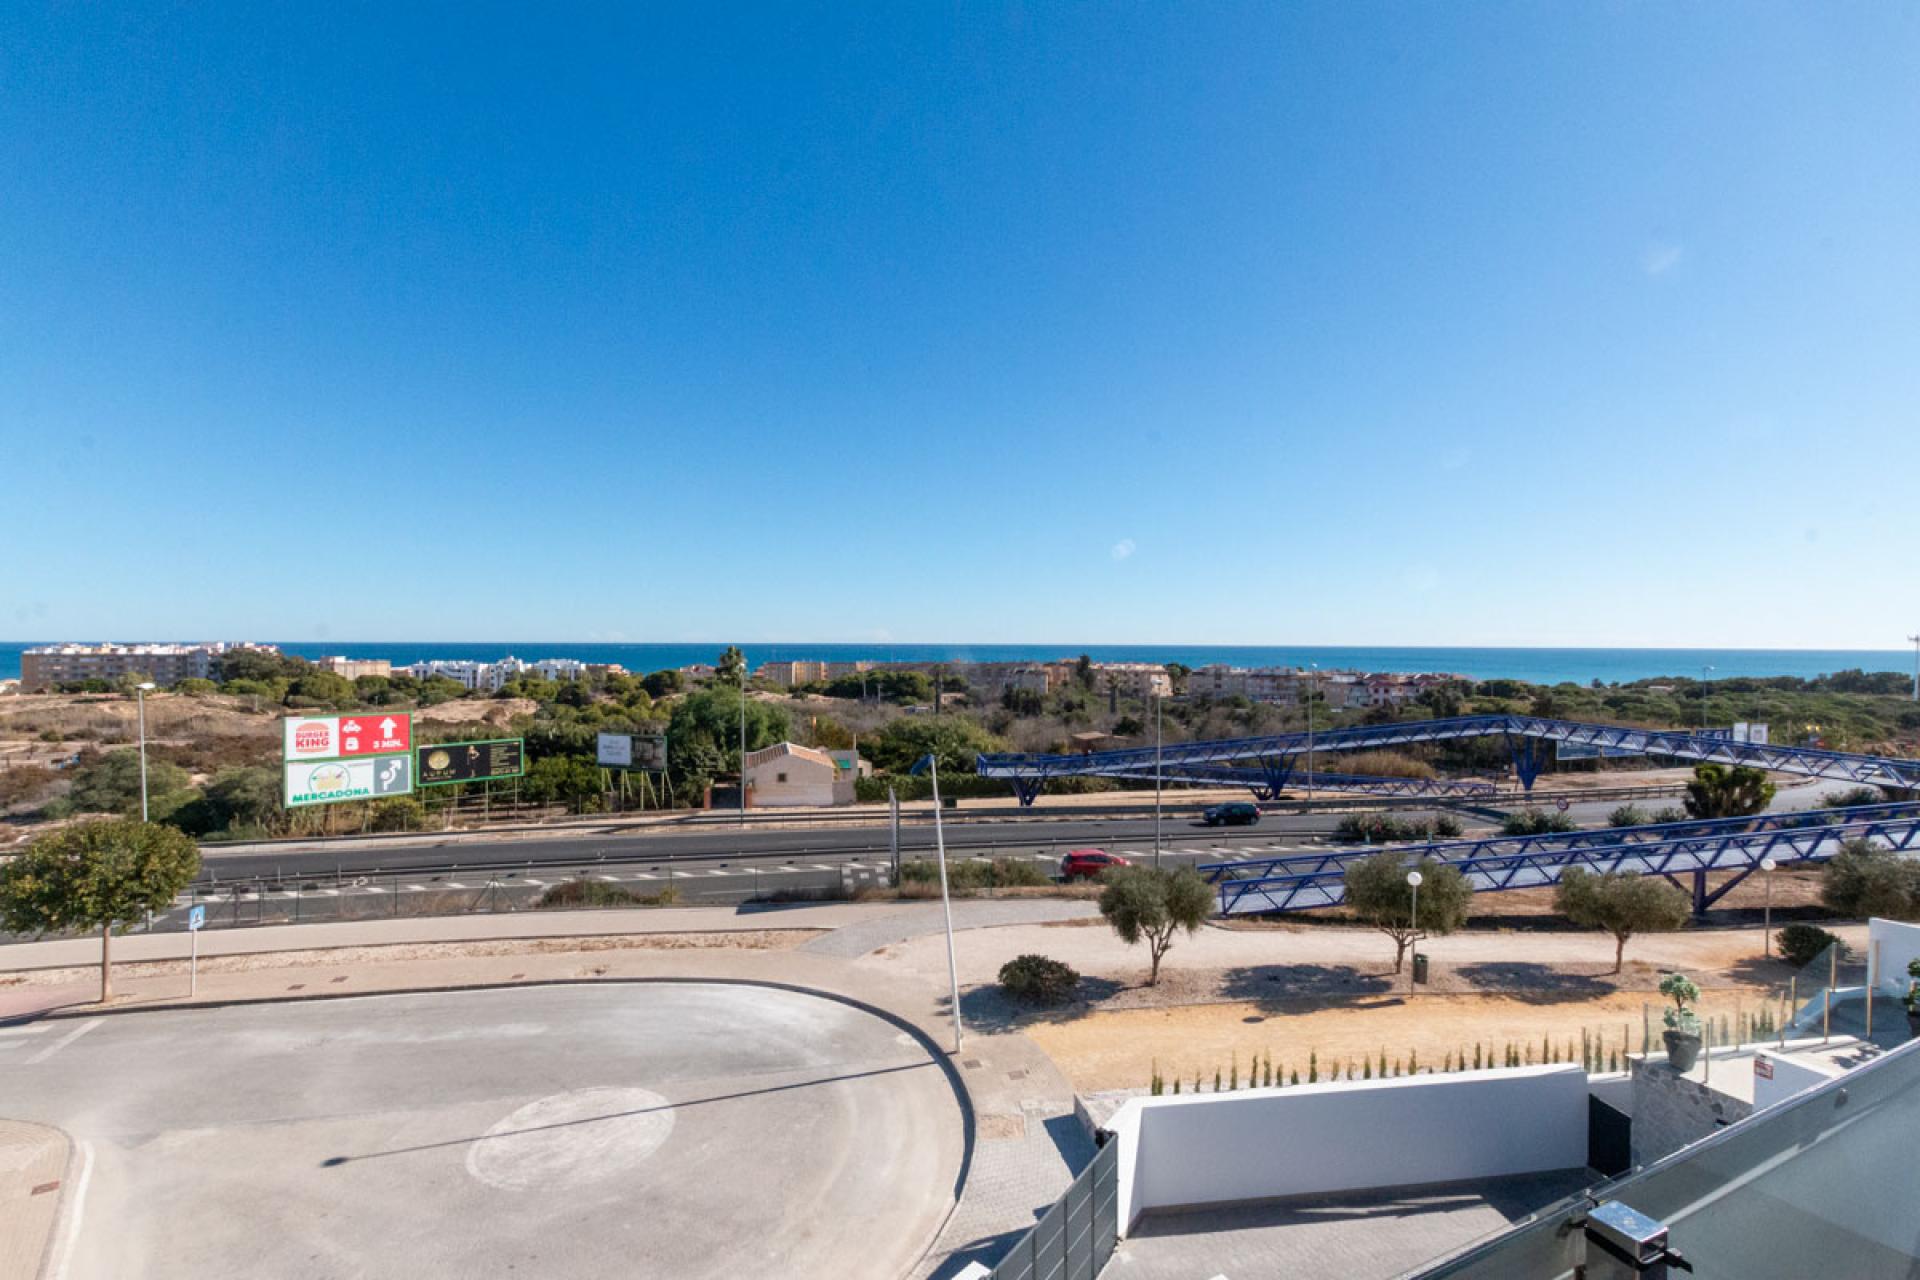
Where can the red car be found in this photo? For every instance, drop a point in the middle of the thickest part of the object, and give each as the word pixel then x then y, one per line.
pixel 1086 864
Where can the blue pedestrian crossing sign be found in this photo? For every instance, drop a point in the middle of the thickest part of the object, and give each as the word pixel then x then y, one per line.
pixel 197 918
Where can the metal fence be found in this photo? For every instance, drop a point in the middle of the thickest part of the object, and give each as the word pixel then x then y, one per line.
pixel 1073 1239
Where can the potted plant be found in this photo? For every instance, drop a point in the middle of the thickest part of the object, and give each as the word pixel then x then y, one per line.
pixel 1682 1035
pixel 1912 999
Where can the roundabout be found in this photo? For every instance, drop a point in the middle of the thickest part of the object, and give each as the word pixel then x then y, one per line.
pixel 685 1129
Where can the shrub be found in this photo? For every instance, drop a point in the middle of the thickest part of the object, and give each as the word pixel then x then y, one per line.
pixel 1683 991
pixel 1865 880
pixel 1039 979
pixel 400 813
pixel 968 875
pixel 1801 944
pixel 1854 796
pixel 598 893
pixel 1448 826
pixel 1382 828
pixel 1537 822
pixel 1671 813
pixel 1627 815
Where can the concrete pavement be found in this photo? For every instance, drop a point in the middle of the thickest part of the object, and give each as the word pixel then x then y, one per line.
pixel 687 1130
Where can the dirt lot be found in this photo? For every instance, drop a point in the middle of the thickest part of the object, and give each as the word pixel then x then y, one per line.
pixel 1293 988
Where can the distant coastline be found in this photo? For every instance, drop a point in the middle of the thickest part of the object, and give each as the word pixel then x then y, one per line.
pixel 1535 665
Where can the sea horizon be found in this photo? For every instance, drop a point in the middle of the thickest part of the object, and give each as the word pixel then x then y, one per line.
pixel 1534 664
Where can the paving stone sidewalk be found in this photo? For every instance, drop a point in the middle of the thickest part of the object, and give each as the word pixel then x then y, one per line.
pixel 33 1166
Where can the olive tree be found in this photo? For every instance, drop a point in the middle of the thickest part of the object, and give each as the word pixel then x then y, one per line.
pixel 96 875
pixel 1622 905
pixel 1378 893
pixel 1150 904
pixel 1866 880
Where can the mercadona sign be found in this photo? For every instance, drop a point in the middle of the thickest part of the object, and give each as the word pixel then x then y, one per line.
pixel 329 781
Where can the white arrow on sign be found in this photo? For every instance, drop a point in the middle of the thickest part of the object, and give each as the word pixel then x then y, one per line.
pixel 387 727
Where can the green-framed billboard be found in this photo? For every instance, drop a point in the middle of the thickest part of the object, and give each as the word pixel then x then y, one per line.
pixel 444 763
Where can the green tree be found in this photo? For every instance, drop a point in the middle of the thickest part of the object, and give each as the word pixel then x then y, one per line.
pixel 101 875
pixel 1865 880
pixel 732 667
pixel 712 716
pixel 245 797
pixel 110 783
pixel 574 781
pixel 1720 791
pixel 323 687
pixel 955 740
pixel 1379 895
pixel 1151 904
pixel 663 683
pixel 1621 904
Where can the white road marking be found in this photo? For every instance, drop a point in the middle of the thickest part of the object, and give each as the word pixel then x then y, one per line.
pixel 642 875
pixel 63 1042
pixel 75 1207
pixel 822 866
pixel 33 1030
pixel 718 872
pixel 416 888
pixel 535 883
pixel 455 884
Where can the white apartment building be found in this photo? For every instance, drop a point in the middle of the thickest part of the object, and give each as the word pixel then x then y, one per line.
pixel 489 677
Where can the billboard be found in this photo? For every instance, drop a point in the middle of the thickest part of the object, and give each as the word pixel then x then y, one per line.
pixel 332 737
pixel 330 781
pixel 644 750
pixel 446 762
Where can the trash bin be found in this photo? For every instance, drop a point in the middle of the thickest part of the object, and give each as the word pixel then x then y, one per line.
pixel 1420 968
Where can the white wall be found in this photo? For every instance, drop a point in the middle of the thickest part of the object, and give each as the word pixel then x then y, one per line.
pixel 1790 1076
pixel 1306 1139
pixel 1890 945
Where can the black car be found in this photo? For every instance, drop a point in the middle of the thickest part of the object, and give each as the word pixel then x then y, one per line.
pixel 1238 814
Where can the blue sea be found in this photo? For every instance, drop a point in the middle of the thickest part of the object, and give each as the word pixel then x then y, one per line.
pixel 1538 666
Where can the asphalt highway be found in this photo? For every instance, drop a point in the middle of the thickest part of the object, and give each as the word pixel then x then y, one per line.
pixel 353 857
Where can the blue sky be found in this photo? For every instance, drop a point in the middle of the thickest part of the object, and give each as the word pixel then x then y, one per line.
pixel 1312 323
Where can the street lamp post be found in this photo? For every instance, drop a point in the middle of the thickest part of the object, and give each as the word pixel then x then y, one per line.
pixel 1413 917
pixel 140 691
pixel 1156 779
pixel 1916 667
pixel 1766 866
pixel 743 740
pixel 1706 679
pixel 932 766
pixel 1313 680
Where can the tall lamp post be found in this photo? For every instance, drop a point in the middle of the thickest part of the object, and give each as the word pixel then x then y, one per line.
pixel 1706 679
pixel 932 767
pixel 1916 667
pixel 1766 866
pixel 1156 779
pixel 1313 682
pixel 1413 916
pixel 140 692
pixel 743 740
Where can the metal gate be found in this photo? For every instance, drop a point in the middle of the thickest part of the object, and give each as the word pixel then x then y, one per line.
pixel 1074 1238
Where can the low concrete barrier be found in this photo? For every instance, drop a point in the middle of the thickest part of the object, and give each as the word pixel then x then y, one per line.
pixel 1178 1152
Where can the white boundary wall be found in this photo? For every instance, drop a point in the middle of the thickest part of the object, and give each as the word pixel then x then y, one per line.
pixel 1306 1139
pixel 1890 945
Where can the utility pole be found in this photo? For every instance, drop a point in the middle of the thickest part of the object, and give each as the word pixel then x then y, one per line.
pixel 1916 667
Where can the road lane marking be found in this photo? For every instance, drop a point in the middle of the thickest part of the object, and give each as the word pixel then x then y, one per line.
pixel 63 1042
pixel 33 1030
pixel 75 1206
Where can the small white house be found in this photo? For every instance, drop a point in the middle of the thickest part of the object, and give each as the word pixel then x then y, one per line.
pixel 789 775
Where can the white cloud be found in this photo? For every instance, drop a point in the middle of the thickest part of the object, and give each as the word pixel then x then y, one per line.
pixel 1661 258
pixel 1123 548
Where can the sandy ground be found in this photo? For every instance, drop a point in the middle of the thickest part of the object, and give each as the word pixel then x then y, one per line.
pixel 1289 990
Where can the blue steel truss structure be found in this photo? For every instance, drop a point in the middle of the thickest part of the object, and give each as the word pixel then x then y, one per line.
pixel 1268 783
pixel 1301 882
pixel 1529 741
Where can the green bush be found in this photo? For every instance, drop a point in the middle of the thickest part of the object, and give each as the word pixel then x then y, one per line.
pixel 968 875
pixel 1039 979
pixel 400 813
pixel 1627 815
pixel 1448 826
pixel 1672 813
pixel 1853 796
pixel 1384 828
pixel 1537 822
pixel 1801 944
pixel 598 893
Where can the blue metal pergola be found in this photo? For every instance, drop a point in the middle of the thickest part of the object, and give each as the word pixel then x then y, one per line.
pixel 1528 738
pixel 1301 882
